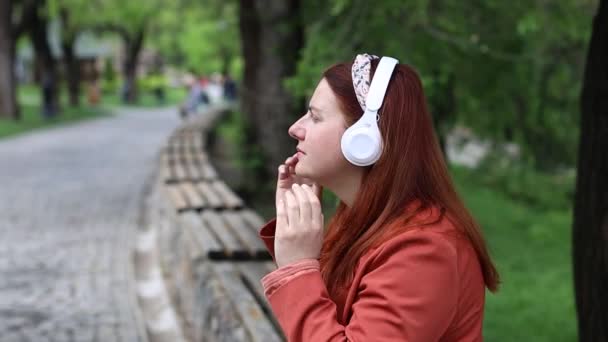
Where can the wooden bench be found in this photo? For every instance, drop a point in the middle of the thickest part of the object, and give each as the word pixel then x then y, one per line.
pixel 226 258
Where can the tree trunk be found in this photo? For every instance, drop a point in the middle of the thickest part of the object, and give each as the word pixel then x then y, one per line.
pixel 47 65
pixel 444 107
pixel 133 46
pixel 8 86
pixel 590 227
pixel 271 37
pixel 72 68
pixel 72 73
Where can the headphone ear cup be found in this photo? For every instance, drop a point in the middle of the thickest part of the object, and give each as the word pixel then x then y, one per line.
pixel 362 144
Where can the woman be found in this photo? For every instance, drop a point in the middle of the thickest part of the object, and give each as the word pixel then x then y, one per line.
pixel 402 259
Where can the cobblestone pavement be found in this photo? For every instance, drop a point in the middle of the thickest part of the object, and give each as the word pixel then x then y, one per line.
pixel 69 201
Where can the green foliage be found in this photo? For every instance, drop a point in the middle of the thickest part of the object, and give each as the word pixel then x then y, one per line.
pixel 202 39
pixel 516 66
pixel 110 82
pixel 521 182
pixel 150 82
pixel 231 128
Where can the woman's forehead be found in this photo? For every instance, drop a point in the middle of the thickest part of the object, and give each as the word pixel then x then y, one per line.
pixel 323 99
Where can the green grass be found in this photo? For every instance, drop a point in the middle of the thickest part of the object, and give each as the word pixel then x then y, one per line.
pixel 173 96
pixel 531 249
pixel 31 119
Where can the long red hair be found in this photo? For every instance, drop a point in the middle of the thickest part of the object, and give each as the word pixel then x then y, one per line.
pixel 411 162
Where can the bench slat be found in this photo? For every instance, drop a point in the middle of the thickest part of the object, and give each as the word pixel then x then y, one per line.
pixel 231 200
pixel 253 272
pixel 256 222
pixel 207 244
pixel 192 142
pixel 193 171
pixel 199 143
pixel 251 313
pixel 213 200
pixel 232 246
pixel 195 200
pixel 208 171
pixel 254 219
pixel 180 173
pixel 241 228
pixel 176 197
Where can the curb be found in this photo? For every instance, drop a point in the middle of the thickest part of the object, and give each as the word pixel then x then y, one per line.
pixel 161 321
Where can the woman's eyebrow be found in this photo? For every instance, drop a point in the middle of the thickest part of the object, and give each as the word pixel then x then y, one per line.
pixel 314 109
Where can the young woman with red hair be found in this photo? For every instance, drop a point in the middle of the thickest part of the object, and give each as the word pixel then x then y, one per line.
pixel 402 259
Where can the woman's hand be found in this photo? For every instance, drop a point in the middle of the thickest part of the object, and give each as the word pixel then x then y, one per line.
pixel 299 227
pixel 287 177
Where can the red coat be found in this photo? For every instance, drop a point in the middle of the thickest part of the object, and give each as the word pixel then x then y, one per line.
pixel 422 285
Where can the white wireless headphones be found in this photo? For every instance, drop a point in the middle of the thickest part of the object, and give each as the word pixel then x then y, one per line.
pixel 362 143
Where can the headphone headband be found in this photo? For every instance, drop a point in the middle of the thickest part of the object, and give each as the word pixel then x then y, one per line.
pixel 377 89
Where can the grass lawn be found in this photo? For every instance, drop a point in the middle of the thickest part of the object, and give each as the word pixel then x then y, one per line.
pixel 173 96
pixel 29 100
pixel 532 251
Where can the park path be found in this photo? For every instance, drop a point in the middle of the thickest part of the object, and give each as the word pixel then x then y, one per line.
pixel 70 200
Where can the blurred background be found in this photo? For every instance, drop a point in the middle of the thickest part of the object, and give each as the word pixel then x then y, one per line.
pixel 503 80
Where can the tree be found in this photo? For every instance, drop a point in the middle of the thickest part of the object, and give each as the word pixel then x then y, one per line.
pixel 130 20
pixel 271 39
pixel 8 98
pixel 202 39
pixel 69 32
pixel 15 17
pixel 590 227
pixel 46 62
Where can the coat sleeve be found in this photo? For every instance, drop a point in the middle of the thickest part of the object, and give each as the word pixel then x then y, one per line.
pixel 407 293
pixel 267 236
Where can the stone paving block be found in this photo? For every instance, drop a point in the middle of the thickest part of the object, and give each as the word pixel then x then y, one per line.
pixel 70 204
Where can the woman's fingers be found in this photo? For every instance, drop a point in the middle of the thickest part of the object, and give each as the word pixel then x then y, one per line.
pixel 282 219
pixel 293 159
pixel 293 210
pixel 303 203
pixel 283 171
pixel 288 169
pixel 315 205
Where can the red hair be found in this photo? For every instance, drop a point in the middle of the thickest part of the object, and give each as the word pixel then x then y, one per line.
pixel 412 162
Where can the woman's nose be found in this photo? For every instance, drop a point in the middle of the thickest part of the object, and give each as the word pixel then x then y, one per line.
pixel 296 131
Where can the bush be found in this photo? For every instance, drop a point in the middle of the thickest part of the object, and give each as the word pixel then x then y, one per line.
pixel 523 183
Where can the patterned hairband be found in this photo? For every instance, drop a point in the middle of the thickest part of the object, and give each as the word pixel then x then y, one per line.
pixel 361 76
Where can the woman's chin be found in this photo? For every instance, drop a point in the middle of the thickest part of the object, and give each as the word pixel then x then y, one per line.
pixel 301 171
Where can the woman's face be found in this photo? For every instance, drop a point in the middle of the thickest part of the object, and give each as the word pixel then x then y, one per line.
pixel 319 132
